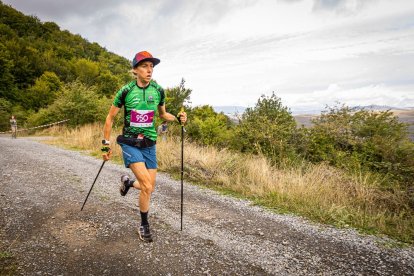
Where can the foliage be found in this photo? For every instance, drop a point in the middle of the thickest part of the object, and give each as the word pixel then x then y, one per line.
pixel 208 127
pixel 268 128
pixel 7 86
pixel 35 56
pixel 76 102
pixel 362 140
pixel 177 97
pixel 107 83
pixel 43 92
pixel 5 111
pixel 86 70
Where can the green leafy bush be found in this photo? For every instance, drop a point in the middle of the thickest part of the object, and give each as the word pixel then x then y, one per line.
pixel 268 128
pixel 208 127
pixel 177 97
pixel 43 92
pixel 362 140
pixel 76 102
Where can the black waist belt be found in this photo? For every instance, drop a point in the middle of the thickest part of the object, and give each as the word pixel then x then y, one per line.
pixel 135 142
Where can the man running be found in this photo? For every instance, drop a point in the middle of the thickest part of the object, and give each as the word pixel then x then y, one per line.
pixel 13 125
pixel 142 98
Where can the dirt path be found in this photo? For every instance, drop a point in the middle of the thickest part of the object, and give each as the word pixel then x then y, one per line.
pixel 43 187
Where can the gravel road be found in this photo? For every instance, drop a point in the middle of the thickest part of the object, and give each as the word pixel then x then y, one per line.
pixel 41 225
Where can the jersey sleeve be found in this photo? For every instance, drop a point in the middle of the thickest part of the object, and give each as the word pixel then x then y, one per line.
pixel 162 97
pixel 118 97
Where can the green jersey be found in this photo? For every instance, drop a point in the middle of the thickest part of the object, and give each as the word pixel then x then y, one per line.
pixel 141 107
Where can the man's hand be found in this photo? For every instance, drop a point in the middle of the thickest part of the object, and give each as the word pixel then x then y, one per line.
pixel 182 117
pixel 106 153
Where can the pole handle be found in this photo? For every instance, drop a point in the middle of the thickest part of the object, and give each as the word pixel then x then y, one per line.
pixel 181 110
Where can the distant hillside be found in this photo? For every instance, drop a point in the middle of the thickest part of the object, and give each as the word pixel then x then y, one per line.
pixel 304 120
pixel 36 58
pixel 377 107
pixel 304 117
pixel 230 109
pixel 405 115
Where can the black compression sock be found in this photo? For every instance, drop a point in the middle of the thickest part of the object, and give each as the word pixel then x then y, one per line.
pixel 131 183
pixel 144 218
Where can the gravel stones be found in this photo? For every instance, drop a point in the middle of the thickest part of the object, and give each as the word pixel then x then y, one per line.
pixel 43 188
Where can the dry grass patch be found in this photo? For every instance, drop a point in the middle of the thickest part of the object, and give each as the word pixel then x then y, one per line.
pixel 319 192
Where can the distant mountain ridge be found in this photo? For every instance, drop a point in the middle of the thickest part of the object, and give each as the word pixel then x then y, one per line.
pixel 379 107
pixel 230 109
pixel 236 109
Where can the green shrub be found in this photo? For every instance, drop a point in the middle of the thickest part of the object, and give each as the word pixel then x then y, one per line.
pixel 43 92
pixel 76 102
pixel 269 128
pixel 208 127
pixel 362 140
pixel 177 97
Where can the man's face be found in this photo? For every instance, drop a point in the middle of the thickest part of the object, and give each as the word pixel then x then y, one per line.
pixel 144 71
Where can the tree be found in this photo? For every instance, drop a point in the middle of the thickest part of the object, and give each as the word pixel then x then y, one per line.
pixel 27 62
pixel 7 86
pixel 76 102
pixel 30 48
pixel 208 127
pixel 371 140
pixel 51 27
pixel 177 97
pixel 107 84
pixel 5 112
pixel 43 92
pixel 87 71
pixel 268 128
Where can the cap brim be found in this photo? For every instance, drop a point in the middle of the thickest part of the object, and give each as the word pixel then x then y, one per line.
pixel 154 61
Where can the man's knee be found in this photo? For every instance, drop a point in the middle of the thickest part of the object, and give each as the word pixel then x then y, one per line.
pixel 146 187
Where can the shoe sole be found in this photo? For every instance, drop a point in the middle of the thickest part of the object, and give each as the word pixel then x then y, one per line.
pixel 122 191
pixel 142 238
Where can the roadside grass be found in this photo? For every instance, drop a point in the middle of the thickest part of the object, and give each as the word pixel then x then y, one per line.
pixel 319 192
pixel 87 138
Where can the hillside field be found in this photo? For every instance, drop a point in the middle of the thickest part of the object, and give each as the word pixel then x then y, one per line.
pixel 405 115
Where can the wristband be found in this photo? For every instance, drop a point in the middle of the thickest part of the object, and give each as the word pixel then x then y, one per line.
pixel 105 149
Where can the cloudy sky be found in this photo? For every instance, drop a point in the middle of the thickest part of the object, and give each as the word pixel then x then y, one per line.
pixel 311 53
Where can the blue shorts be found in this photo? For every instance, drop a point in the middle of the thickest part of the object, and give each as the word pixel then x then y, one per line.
pixel 133 155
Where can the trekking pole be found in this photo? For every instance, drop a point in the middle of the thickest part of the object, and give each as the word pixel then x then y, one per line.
pixel 103 163
pixel 182 168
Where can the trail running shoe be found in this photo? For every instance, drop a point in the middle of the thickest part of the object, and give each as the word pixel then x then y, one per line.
pixel 144 233
pixel 125 185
